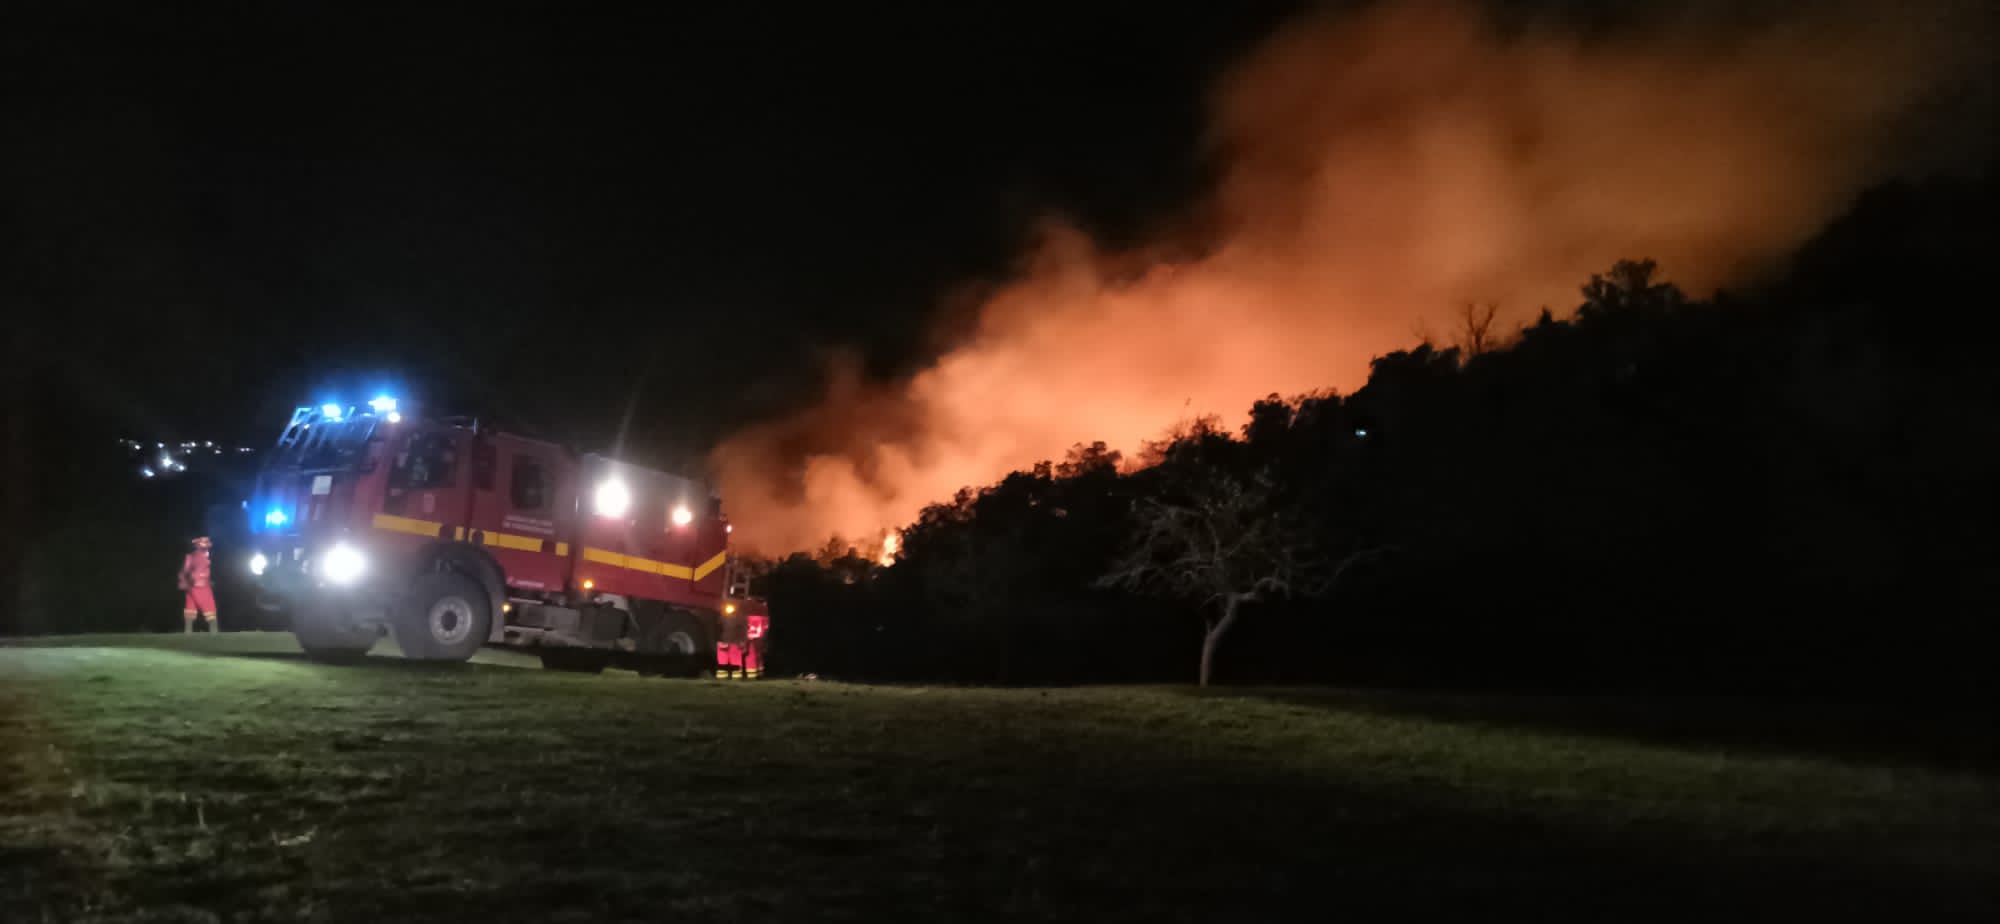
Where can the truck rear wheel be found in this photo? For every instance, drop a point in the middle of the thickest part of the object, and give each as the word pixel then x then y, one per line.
pixel 329 634
pixel 675 643
pixel 445 617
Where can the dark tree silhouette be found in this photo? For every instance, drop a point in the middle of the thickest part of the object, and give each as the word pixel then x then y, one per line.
pixel 1628 289
pixel 1476 336
pixel 1222 544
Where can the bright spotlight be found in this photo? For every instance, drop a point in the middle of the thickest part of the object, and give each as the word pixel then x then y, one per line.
pixel 330 411
pixel 383 405
pixel 683 516
pixel 613 498
pixel 395 417
pixel 258 563
pixel 342 564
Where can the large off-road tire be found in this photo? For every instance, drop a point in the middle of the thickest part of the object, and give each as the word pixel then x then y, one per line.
pixel 576 660
pixel 444 617
pixel 674 643
pixel 329 633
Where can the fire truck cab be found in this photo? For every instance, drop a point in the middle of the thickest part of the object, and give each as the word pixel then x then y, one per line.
pixel 452 537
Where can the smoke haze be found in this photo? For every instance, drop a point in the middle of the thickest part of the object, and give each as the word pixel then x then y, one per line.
pixel 1377 170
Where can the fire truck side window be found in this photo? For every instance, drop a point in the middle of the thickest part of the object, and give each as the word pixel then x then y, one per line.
pixel 426 463
pixel 530 484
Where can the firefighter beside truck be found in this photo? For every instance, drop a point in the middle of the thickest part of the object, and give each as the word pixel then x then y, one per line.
pixel 197 593
pixel 451 536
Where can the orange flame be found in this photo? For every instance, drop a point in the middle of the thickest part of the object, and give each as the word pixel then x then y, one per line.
pixel 1379 169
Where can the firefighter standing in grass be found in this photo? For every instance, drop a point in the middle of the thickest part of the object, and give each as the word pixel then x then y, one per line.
pixel 200 597
pixel 730 652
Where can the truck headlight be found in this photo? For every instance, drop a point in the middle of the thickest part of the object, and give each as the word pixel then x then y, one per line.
pixel 258 563
pixel 342 564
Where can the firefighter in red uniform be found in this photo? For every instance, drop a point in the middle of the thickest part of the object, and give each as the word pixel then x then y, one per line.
pixel 753 649
pixel 200 599
pixel 740 651
pixel 729 648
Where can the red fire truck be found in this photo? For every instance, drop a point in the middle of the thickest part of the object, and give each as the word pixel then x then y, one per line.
pixel 451 536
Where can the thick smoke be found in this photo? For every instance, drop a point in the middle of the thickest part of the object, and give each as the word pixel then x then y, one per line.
pixel 1378 170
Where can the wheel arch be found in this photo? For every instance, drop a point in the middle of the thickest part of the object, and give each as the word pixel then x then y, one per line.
pixel 711 622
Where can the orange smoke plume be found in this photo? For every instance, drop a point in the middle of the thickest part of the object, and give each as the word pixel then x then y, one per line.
pixel 1378 169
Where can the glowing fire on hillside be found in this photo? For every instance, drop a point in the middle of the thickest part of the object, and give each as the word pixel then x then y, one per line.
pixel 1378 169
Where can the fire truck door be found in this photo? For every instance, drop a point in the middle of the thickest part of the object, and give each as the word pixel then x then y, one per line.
pixel 426 485
pixel 515 516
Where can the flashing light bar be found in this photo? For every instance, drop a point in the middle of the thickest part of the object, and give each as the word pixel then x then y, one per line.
pixel 383 405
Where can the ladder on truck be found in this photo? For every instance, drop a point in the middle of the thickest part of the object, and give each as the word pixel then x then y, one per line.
pixel 295 432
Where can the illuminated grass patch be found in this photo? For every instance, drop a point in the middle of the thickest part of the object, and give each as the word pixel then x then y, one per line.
pixel 170 779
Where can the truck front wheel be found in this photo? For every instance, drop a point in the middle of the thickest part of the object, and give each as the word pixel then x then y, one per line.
pixel 330 634
pixel 444 617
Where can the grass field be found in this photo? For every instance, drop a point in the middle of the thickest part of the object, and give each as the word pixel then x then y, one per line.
pixel 224 778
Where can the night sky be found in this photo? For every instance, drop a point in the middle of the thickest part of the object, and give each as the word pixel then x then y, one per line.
pixel 543 213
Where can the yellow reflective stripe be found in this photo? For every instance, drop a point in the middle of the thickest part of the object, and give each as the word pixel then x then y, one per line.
pixel 511 541
pixel 636 563
pixel 406 525
pixel 430 528
pixel 708 567
pixel 600 555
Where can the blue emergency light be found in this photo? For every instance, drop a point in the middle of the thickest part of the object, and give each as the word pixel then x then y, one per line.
pixel 275 518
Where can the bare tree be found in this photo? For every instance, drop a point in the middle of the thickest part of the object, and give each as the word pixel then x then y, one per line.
pixel 1475 330
pixel 1223 544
